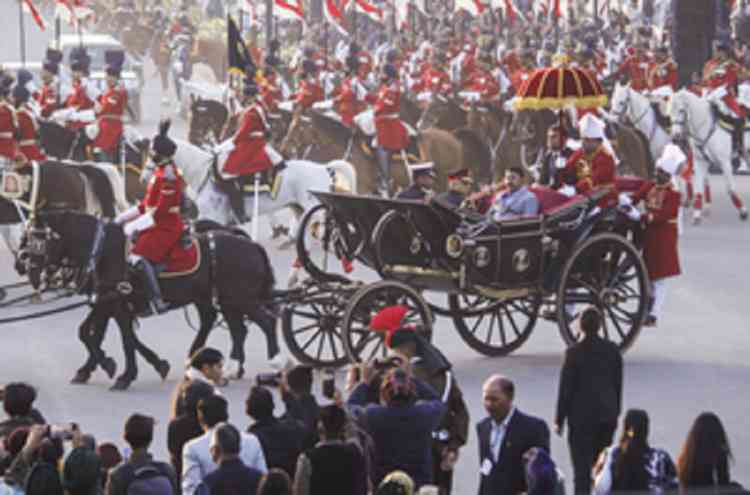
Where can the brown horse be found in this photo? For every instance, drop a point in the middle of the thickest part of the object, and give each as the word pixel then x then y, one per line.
pixel 325 140
pixel 445 113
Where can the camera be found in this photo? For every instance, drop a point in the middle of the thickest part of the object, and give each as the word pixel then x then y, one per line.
pixel 269 379
pixel 61 432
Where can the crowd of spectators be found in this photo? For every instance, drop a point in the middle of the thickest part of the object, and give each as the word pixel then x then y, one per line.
pixel 389 436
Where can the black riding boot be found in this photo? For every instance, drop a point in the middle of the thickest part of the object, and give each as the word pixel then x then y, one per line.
pixel 385 170
pixel 237 199
pixel 148 274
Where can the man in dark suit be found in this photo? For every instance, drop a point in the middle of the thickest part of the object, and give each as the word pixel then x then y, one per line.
pixel 423 179
pixel 554 158
pixel 503 439
pixel 232 476
pixel 590 397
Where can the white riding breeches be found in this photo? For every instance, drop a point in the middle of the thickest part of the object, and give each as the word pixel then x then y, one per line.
pixel 659 292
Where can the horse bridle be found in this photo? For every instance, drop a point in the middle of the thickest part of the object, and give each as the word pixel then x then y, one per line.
pixel 626 106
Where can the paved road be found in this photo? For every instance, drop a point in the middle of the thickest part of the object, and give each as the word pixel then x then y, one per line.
pixel 696 360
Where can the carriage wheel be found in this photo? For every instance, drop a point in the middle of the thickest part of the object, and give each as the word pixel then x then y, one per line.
pixel 360 342
pixel 312 332
pixel 607 271
pixel 321 243
pixel 494 328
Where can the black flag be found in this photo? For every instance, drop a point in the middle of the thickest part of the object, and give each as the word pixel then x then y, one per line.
pixel 239 57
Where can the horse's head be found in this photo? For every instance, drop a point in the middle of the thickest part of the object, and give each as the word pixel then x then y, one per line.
pixel 205 117
pixel 679 116
pixel 620 102
pixel 301 134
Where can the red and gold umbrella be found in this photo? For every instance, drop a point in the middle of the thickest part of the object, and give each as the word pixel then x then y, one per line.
pixel 560 87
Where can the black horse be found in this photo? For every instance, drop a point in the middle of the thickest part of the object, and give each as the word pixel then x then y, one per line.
pixel 66 144
pixel 234 278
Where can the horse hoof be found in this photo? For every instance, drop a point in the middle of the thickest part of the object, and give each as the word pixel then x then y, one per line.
pixel 81 378
pixel 163 369
pixel 743 215
pixel 109 366
pixel 121 384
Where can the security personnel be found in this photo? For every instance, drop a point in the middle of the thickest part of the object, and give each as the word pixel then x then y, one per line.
pixel 662 202
pixel 249 150
pixel 391 133
pixel 592 167
pixel 425 362
pixel 156 219
pixel 110 108
pixel 423 175
pixel 81 97
pixel 47 96
pixel 28 126
pixel 8 122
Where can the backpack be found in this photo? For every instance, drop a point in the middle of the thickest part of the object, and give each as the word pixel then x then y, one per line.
pixel 150 479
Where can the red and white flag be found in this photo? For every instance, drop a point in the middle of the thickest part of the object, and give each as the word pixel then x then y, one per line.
pixel 291 9
pixel 370 10
pixel 73 11
pixel 28 6
pixel 333 14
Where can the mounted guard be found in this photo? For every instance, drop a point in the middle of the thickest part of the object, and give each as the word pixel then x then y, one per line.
pixel 9 128
pixel 28 126
pixel 82 96
pixel 156 222
pixel 47 97
pixel 110 107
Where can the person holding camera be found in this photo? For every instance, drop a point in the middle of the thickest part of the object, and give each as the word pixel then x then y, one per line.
pixel 427 363
pixel 400 424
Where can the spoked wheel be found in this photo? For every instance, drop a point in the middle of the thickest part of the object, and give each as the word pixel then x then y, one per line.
pixel 491 327
pixel 312 331
pixel 608 272
pixel 360 342
pixel 321 242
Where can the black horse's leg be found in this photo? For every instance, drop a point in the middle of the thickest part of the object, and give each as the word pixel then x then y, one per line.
pixel 238 333
pixel 125 322
pixel 160 365
pixel 91 333
pixel 207 315
pixel 267 323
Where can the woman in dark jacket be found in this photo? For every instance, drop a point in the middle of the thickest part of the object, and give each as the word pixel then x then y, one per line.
pixel 704 460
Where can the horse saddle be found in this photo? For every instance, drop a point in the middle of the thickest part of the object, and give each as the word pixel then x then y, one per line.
pixel 269 182
pixel 734 125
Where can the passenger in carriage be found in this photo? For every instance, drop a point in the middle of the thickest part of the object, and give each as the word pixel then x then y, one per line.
pixel 156 220
pixel 554 158
pixel 459 187
pixel 517 201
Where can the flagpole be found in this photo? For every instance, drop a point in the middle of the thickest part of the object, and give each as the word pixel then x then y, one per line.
pixel 22 33
pixel 269 24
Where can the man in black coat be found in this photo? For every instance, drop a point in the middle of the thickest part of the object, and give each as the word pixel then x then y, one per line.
pixel 504 437
pixel 232 476
pixel 554 158
pixel 423 175
pixel 590 397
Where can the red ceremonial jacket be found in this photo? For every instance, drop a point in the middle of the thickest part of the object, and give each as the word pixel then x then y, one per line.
pixel 271 93
pixel 249 155
pixel 29 144
pixel 718 73
pixel 163 198
pixel 664 74
pixel 435 81
pixel 79 100
pixel 636 67
pixel 589 172
pixel 8 130
pixel 660 237
pixel 485 84
pixel 113 103
pixel 47 99
pixel 348 102
pixel 308 93
pixel 392 134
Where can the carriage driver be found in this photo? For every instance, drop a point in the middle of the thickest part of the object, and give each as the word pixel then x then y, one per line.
pixel 156 219
pixel 110 107
pixel 249 151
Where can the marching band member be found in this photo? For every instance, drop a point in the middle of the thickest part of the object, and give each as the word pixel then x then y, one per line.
pixel 110 108
pixel 47 97
pixel 662 203
pixel 28 126
pixel 592 167
pixel 8 122
pixel 156 219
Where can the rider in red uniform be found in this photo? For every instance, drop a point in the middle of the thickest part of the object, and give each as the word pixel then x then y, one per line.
pixel 309 91
pixel 28 126
pixel 79 97
pixel 484 83
pixel 636 68
pixel 392 135
pixel 250 152
pixel 8 122
pixel 110 108
pixel 156 219
pixel 352 96
pixel 47 97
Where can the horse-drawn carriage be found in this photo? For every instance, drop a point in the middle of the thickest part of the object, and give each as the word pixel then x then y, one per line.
pixel 498 276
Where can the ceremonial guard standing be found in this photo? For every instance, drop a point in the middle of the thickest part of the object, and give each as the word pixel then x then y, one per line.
pixel 249 151
pixel 47 97
pixel 110 108
pixel 156 219
pixel 423 178
pixel 662 202
pixel 592 167
pixel 81 97
pixel 28 126
pixel 8 122
pixel 426 363
pixel 392 135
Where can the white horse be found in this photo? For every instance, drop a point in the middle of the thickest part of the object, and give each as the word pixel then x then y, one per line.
pixel 297 180
pixel 693 118
pixel 628 105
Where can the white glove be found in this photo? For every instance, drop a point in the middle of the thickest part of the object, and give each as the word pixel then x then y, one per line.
pixel 323 105
pixel 225 147
pixel 143 222
pixel 127 215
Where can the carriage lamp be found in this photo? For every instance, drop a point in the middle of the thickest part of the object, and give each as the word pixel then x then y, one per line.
pixel 454 246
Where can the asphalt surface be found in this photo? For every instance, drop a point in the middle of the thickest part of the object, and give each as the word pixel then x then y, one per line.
pixel 696 360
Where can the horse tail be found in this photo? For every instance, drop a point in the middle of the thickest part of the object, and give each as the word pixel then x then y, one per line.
pixel 476 153
pixel 348 172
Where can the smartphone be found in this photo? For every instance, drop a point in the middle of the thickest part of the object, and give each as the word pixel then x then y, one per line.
pixel 63 432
